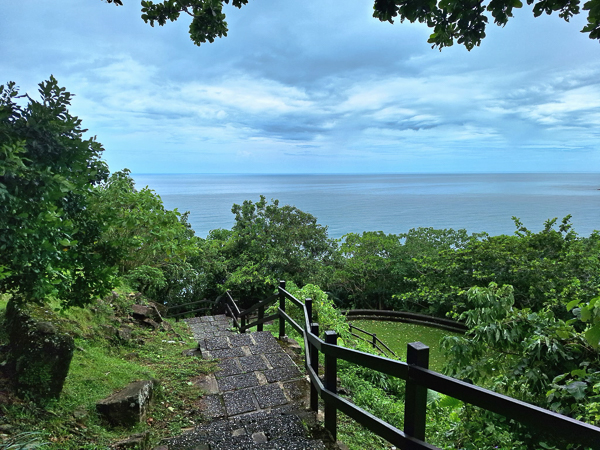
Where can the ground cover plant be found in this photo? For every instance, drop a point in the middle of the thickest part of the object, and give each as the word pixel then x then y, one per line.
pixel 101 365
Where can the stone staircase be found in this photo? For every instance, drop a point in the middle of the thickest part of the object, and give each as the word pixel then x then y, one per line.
pixel 255 400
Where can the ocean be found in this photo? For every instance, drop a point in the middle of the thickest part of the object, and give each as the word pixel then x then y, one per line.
pixel 392 203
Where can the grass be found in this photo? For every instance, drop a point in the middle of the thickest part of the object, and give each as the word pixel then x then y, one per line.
pixel 397 335
pixel 101 365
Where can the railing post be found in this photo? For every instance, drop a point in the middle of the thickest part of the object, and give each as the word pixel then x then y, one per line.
pixel 308 303
pixel 415 406
pixel 243 324
pixel 261 316
pixel 374 340
pixel 330 383
pixel 282 307
pixel 314 363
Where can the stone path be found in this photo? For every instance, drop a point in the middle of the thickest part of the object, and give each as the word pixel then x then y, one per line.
pixel 254 399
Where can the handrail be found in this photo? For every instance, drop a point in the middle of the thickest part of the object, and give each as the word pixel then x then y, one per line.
pixel 374 339
pixel 256 306
pixel 408 317
pixel 198 302
pixel 418 380
pixel 232 303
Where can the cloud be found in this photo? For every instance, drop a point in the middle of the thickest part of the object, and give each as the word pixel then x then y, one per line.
pixel 311 86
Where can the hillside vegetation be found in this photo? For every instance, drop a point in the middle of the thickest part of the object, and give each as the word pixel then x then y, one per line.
pixel 71 232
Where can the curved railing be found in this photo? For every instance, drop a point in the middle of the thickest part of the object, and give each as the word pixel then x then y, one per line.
pixel 407 317
pixel 418 379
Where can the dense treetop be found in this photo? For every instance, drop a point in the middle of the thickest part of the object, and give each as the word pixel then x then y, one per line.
pixel 461 21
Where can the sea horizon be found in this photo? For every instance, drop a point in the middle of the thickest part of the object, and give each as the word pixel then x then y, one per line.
pixel 392 202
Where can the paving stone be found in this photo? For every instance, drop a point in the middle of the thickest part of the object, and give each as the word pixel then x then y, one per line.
pixel 263 348
pixel 242 381
pixel 279 360
pixel 282 374
pixel 237 340
pixel 269 396
pixel 228 367
pixel 217 343
pixel 207 319
pixel 227 353
pixel 264 337
pixel 238 402
pixel 211 406
pixel 252 363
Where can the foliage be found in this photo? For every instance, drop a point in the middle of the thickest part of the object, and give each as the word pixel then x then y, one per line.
pixel 365 277
pixel 546 269
pixel 373 267
pixel 49 240
pixel 532 355
pixel 23 441
pixel 464 22
pixel 153 245
pixel 267 243
pixel 103 364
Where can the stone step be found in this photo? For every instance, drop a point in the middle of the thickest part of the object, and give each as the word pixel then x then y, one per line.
pixel 275 429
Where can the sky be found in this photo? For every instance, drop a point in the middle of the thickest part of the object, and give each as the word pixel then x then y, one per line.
pixel 313 86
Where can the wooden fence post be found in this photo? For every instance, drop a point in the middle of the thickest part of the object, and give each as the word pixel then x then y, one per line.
pixel 330 383
pixel 374 340
pixel 314 363
pixel 415 406
pixel 282 307
pixel 243 324
pixel 261 316
pixel 308 303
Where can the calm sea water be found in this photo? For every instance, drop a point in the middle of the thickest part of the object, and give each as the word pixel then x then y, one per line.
pixel 391 203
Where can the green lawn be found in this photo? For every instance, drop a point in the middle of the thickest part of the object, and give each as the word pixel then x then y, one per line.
pixel 397 334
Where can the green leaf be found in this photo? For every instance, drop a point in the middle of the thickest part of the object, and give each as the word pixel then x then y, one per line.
pixel 586 314
pixel 592 335
pixel 572 304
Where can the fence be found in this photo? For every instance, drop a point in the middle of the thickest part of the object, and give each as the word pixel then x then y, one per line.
pixel 374 341
pixel 178 315
pixel 418 380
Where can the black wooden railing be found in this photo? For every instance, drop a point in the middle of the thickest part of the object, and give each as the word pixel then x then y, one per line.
pixel 171 310
pixel 374 340
pixel 418 379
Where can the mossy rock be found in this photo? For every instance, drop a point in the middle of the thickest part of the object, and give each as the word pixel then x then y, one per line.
pixel 40 351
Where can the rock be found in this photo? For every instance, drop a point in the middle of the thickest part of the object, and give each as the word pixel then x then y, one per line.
pixel 151 323
pixel 138 441
pixel 162 309
pixel 192 352
pixel 142 312
pixel 127 407
pixel 41 353
pixel 46 328
pixel 124 333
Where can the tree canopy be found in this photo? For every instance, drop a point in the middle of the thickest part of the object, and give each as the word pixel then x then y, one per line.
pixel 49 239
pixel 461 21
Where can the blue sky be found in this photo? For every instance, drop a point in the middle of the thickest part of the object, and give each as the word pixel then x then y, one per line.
pixel 313 87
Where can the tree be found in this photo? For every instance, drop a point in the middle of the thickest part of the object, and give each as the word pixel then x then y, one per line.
pixel 463 21
pixel 366 273
pixel 267 243
pixel 153 245
pixel 49 239
pixel 552 267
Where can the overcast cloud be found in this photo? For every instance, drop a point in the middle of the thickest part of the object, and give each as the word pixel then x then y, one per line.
pixel 313 86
